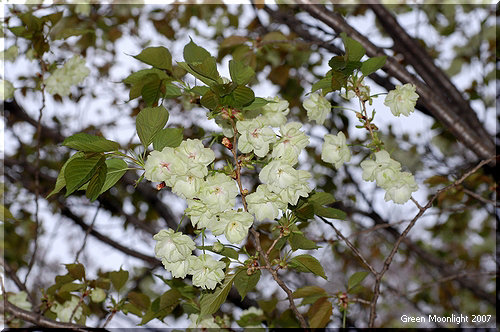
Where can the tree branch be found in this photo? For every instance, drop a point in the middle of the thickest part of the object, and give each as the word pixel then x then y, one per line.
pixel 455 123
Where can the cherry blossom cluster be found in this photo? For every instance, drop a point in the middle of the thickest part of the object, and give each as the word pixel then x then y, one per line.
pixel 62 79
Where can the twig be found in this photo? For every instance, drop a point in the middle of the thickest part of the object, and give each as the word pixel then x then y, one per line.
pixel 37 174
pixel 87 232
pixel 38 319
pixel 388 260
pixel 479 197
pixel 110 317
pixel 351 246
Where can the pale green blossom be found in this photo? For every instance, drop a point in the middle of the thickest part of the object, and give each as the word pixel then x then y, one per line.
pixel 65 310
pixel 371 168
pixel 208 322
pixel 264 204
pixel 97 295
pixel 291 143
pixel 255 136
pixel 195 156
pixel 335 150
pixel 20 300
pixel 173 246
pixel 6 90
pixel 72 73
pixel 83 9
pixel 234 225
pixel 318 108
pixel 285 181
pixel 400 188
pixel 178 269
pixel 200 214
pixel 163 165
pixel 10 54
pixel 218 192
pixel 206 271
pixel 275 113
pixel 300 188
pixel 402 100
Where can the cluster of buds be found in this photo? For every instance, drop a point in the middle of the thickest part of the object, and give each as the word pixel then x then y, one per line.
pixel 230 113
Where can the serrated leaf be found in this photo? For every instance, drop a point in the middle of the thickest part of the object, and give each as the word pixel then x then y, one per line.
pixel 337 62
pixel 207 68
pixel 322 198
pixel 149 122
pixel 162 306
pixel 116 168
pixel 257 104
pixel 243 96
pixel 240 73
pixel 194 53
pixel 306 211
pixel 172 91
pixel 158 57
pixel 171 137
pixel 372 65
pixel 354 50
pixel 222 90
pixel 145 74
pixel 210 100
pixel 152 91
pixel 299 241
pixel 245 283
pixel 356 278
pixel 307 291
pixel 210 303
pixel 118 279
pixel 232 41
pixel 90 143
pixel 80 170
pixel 329 212
pixel 200 90
pixel 320 313
pixel 61 181
pixel 324 83
pixel 307 263
pixel 71 287
pixel 204 79
pixel 140 300
pixel 338 80
pixel 77 271
pixel 96 182
pixel 229 252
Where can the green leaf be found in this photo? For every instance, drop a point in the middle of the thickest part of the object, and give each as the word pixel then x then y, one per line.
pixel 90 143
pixel 229 252
pixel 194 53
pixel 372 65
pixel 240 73
pixel 199 90
pixel 172 91
pixel 79 170
pixel 356 278
pixel 151 91
pixel 354 50
pixel 61 181
pixel 322 198
pixel 204 79
pixel 308 291
pixel 68 32
pixel 299 241
pixel 158 57
pixel 140 300
pixel 246 283
pixel 71 287
pixel 337 62
pixel 257 104
pixel 338 80
pixel 118 278
pixel 162 306
pixel 222 90
pixel 243 96
pixel 77 271
pixel 307 263
pixel 306 211
pixel 210 100
pixel 325 83
pixel 320 313
pixel 96 182
pixel 149 122
pixel 116 168
pixel 329 212
pixel 207 68
pixel 142 75
pixel 171 137
pixel 210 303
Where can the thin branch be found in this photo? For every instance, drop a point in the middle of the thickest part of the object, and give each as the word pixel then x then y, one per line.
pixel 388 260
pixel 480 198
pixel 37 319
pixel 351 246
pixel 87 232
